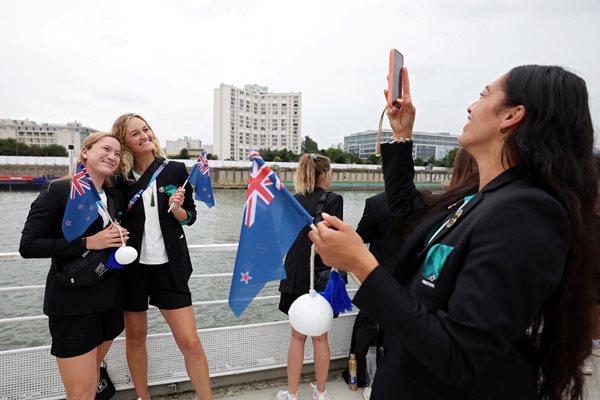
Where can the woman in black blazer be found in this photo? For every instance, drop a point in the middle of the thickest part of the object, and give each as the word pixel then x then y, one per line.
pixel 311 181
pixel 83 321
pixel 490 298
pixel 161 272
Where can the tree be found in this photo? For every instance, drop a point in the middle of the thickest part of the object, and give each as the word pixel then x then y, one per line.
pixel 373 159
pixel 309 145
pixel 448 160
pixel 184 154
pixel 56 150
pixel 210 156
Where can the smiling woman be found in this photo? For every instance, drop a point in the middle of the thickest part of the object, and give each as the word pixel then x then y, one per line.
pixel 479 292
pixel 160 275
pixel 83 321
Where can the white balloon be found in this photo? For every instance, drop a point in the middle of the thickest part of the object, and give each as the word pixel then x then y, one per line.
pixel 126 255
pixel 311 314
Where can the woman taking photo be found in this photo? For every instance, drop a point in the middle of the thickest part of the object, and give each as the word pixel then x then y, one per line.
pixel 160 275
pixel 491 297
pixel 83 321
pixel 311 181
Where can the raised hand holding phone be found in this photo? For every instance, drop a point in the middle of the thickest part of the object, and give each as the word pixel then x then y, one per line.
pixel 394 91
pixel 402 114
pixel 399 107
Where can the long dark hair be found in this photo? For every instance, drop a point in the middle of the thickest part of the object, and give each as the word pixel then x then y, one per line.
pixel 552 147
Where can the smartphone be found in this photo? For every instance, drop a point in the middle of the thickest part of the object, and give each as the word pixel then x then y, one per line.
pixel 395 77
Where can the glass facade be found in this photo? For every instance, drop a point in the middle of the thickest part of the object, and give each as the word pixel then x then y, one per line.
pixel 426 145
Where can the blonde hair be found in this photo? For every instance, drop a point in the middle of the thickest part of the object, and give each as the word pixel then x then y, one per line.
pixel 119 130
pixel 88 142
pixel 310 166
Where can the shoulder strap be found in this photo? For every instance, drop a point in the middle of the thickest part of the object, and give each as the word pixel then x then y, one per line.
pixel 320 207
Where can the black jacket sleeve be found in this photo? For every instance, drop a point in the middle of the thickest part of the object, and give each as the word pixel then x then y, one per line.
pixel 367 227
pixel 39 238
pixel 404 201
pixel 513 260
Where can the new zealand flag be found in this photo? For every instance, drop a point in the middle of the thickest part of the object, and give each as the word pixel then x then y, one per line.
pixel 200 179
pixel 272 220
pixel 82 208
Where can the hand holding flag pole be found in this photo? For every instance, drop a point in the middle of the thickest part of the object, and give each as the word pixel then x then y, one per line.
pixel 199 177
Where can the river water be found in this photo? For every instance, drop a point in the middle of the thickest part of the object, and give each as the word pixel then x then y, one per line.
pixel 220 224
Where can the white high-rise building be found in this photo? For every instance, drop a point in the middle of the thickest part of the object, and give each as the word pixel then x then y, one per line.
pixel 254 118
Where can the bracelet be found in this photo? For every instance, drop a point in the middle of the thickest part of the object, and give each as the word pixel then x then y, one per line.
pixel 400 140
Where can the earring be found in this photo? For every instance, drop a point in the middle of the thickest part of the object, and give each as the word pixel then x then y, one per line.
pixel 503 130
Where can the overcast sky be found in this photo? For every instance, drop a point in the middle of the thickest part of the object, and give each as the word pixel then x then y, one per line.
pixel 91 61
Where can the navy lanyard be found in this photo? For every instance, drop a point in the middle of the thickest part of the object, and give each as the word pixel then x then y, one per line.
pixel 139 193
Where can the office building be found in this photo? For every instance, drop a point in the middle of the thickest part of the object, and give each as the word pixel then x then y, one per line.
pixel 425 145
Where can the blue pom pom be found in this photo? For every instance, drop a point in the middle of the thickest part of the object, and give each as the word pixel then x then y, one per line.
pixel 335 293
pixel 112 262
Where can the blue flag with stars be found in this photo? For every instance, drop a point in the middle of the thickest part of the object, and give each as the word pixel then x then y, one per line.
pixel 200 179
pixel 272 220
pixel 82 207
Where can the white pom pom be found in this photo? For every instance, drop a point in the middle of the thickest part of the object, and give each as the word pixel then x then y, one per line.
pixel 126 255
pixel 311 314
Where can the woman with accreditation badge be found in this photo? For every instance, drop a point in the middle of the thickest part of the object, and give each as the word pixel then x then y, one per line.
pixel 83 318
pixel 157 211
pixel 490 298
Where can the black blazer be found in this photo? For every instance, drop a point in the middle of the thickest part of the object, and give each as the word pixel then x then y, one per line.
pixel 462 335
pixel 42 237
pixel 173 174
pixel 297 259
pixel 377 227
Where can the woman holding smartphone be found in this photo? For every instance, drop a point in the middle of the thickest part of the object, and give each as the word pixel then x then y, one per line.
pixel 160 274
pixel 475 306
pixel 83 321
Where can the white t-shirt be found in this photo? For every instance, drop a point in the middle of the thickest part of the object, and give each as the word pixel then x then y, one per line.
pixel 153 251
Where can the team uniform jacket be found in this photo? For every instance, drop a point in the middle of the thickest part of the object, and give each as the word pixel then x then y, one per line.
pixel 172 176
pixel 455 310
pixel 297 260
pixel 42 237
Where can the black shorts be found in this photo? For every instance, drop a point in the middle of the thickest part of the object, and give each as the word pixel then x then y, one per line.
pixel 153 284
pixel 78 334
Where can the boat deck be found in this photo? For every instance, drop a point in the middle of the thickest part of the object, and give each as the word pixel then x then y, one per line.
pixel 336 388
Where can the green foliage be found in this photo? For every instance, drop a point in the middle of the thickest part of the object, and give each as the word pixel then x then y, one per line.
pixel 210 156
pixel 338 156
pixel 309 145
pixel 419 162
pixel 373 159
pixel 10 147
pixel 283 155
pixel 184 154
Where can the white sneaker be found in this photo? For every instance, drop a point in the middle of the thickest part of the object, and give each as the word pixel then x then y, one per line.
pixel 284 395
pixel 316 395
pixel 596 350
pixel 367 393
pixel 587 368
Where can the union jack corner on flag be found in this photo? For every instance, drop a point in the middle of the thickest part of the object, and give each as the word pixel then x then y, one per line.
pixel 272 220
pixel 200 179
pixel 82 207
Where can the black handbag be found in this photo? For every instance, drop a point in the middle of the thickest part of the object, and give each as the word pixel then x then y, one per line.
pixel 106 389
pixel 84 271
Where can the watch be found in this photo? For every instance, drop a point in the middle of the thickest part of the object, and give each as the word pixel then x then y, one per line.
pixel 83 244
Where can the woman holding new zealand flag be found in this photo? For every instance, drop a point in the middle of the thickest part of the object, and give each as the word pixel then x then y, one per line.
pixel 158 208
pixel 63 224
